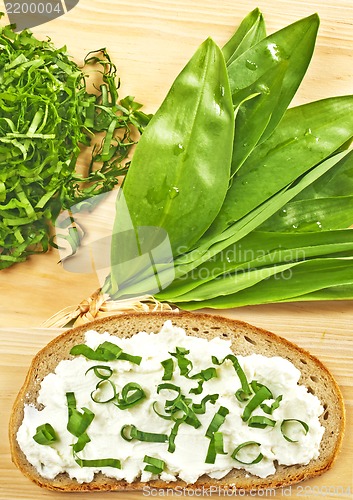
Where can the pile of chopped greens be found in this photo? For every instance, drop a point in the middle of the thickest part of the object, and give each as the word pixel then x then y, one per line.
pixel 47 116
pixel 256 197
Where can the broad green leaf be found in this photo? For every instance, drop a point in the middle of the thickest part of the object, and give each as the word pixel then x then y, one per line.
pixel 253 115
pixel 339 292
pixel 179 174
pixel 260 249
pixel 326 204
pixel 303 278
pixel 310 215
pixel 294 44
pixel 337 182
pixel 305 137
pixel 193 259
pixel 251 30
pixel 277 79
pixel 232 283
pixel 212 246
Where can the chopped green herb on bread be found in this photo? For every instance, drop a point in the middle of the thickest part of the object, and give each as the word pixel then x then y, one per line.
pixel 194 404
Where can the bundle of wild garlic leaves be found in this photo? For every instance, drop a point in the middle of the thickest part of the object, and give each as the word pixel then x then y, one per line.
pixel 256 198
pixel 47 116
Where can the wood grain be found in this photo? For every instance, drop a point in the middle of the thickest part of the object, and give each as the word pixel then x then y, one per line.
pixel 333 345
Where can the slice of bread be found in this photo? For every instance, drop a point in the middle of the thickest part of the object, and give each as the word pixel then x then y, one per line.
pixel 246 339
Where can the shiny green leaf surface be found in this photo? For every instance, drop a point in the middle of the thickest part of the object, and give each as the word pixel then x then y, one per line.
pixel 303 278
pixel 310 215
pixel 306 136
pixel 295 44
pixel 251 221
pixel 260 249
pixel 185 153
pixel 254 115
pixel 250 31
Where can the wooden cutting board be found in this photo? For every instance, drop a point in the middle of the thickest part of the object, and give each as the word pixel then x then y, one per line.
pixel 332 343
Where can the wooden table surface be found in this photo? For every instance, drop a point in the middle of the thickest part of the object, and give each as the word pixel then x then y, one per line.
pixel 150 41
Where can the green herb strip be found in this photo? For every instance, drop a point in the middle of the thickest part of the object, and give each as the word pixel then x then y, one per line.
pixel 216 438
pixel 45 434
pixel 245 392
pixel 101 387
pixel 136 360
pixel 215 447
pixel 101 371
pixel 165 416
pixel 81 442
pixel 203 376
pixel 173 434
pixel 130 432
pixel 270 409
pixel 285 423
pixel 217 421
pixel 262 394
pixel 169 405
pixel 245 445
pixel 155 465
pixel 261 422
pixel 169 387
pixel 190 418
pixel 256 386
pixel 184 364
pixel 103 462
pixel 77 422
pixel 181 410
pixel 200 408
pixel 104 352
pixel 168 366
pixel 131 394
pixel 107 351
pixel 180 405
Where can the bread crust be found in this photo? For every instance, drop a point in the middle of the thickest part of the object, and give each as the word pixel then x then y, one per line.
pixel 246 339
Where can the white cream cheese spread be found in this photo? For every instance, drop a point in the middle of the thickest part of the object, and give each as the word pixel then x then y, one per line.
pixel 292 437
